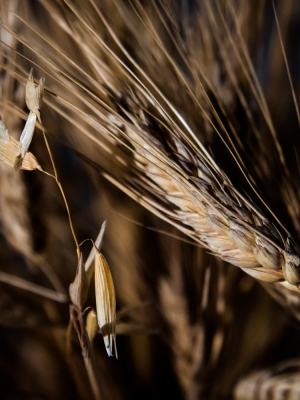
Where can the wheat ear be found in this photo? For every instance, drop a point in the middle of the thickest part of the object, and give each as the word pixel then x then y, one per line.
pixel 172 174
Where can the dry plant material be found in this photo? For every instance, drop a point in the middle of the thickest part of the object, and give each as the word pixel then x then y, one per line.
pixel 90 262
pixel 79 288
pixel 163 106
pixel 12 152
pixel 27 134
pixel 105 303
pixel 32 287
pixel 33 97
pixel 91 324
pixel 186 340
pixel 106 308
pixel 191 191
pixel 278 382
pixel 76 320
pixel 78 293
pixel 10 149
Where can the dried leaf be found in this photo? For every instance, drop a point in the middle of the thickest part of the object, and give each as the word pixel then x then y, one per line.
pixel 78 289
pixel 91 324
pixel 105 303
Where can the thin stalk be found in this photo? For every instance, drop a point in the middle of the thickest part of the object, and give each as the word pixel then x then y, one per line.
pixel 55 176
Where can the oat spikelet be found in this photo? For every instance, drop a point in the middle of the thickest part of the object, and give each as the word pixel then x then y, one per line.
pixel 33 97
pixel 105 303
pixel 9 150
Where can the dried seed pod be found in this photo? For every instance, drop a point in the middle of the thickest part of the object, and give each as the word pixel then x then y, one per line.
pixel 78 289
pixel 105 303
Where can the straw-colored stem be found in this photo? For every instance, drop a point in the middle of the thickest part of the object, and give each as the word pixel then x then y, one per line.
pixel 55 176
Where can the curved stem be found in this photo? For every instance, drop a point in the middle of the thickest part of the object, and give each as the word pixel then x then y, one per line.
pixel 55 176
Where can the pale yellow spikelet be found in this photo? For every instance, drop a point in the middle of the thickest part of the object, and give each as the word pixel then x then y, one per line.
pixel 91 324
pixel 105 303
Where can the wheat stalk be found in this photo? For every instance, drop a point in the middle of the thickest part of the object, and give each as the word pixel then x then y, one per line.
pixel 188 188
pixel 131 123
